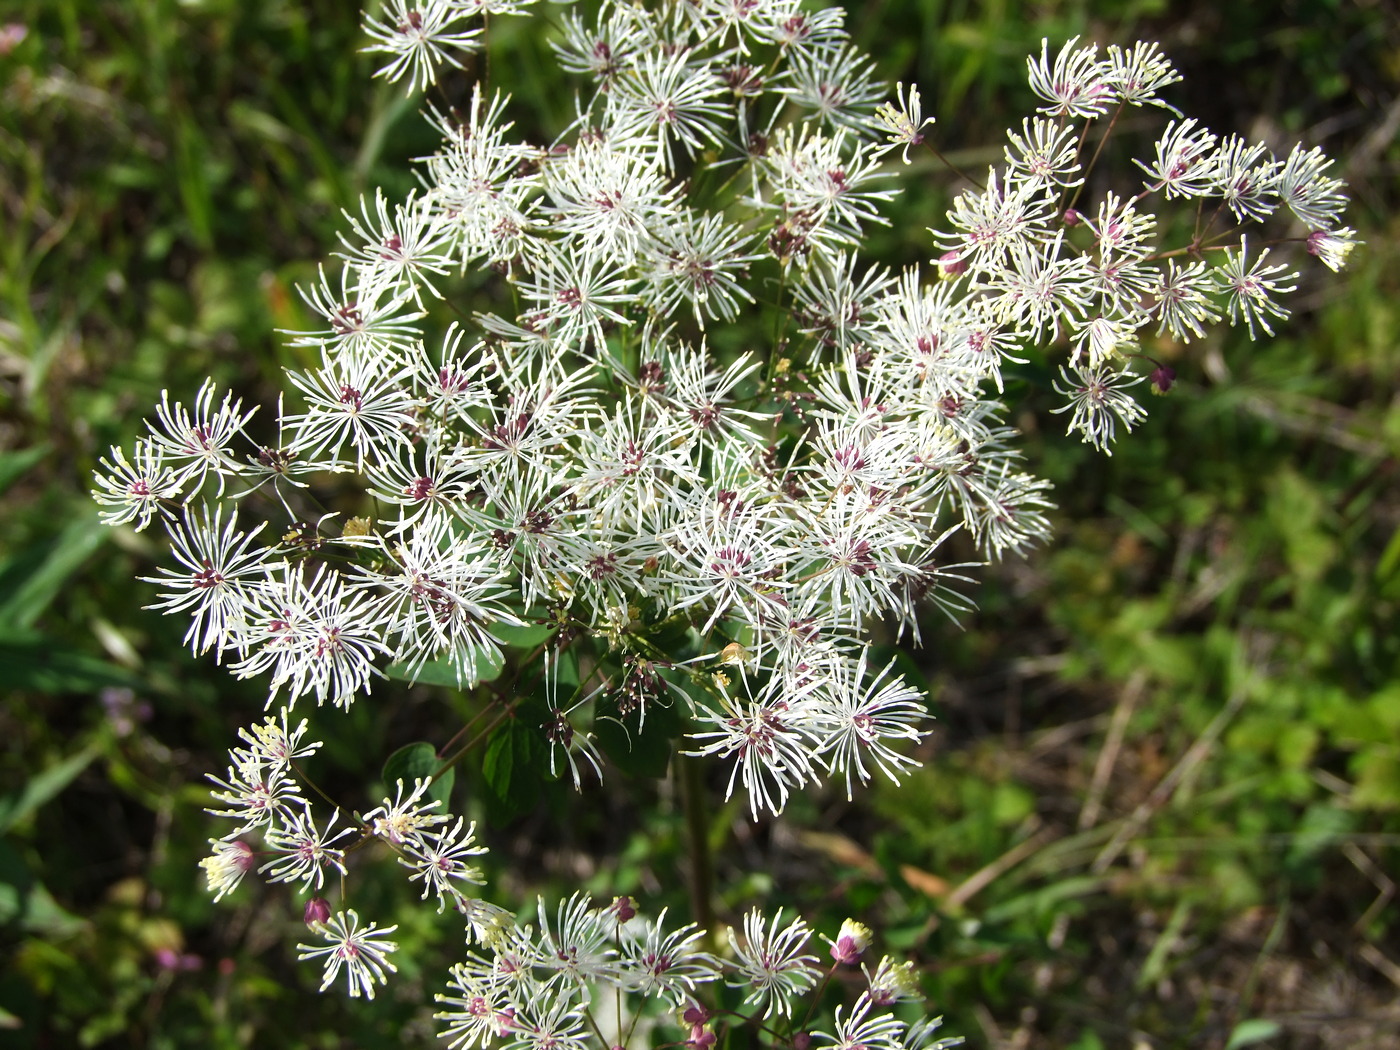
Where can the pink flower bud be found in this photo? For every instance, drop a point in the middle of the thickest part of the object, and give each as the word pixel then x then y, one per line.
pixel 695 1014
pixel 317 911
pixel 950 264
pixel 1072 217
pixel 853 939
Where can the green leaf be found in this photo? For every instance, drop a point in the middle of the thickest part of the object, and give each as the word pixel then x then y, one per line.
pixel 14 465
pixel 34 662
pixel 43 787
pixel 1254 1030
pixel 1321 828
pixel 526 637
pixel 30 580
pixel 639 750
pixel 416 762
pixel 443 671
pixel 515 764
pixel 26 902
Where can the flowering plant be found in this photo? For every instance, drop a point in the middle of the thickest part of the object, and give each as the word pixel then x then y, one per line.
pixel 613 534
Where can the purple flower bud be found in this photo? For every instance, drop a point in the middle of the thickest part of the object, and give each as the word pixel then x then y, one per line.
pixel 695 1014
pixel 317 911
pixel 1072 217
pixel 801 1041
pixel 950 264
pixel 1162 379
pixel 853 939
pixel 623 908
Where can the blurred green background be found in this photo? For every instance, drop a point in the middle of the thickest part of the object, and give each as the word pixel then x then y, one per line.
pixel 1161 807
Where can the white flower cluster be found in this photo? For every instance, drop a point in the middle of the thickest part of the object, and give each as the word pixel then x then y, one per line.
pixel 702 530
pixel 276 831
pixel 263 795
pixel 593 977
pixel 590 463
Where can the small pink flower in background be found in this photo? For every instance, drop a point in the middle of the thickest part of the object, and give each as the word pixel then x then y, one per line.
pixel 11 35
pixel 174 961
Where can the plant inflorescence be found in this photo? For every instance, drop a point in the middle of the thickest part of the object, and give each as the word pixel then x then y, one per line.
pixel 660 540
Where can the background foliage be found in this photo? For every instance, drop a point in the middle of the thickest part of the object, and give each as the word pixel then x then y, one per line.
pixel 1162 801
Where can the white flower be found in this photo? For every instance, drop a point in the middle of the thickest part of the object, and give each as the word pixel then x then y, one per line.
pixel 904 121
pixel 484 1010
pixel 768 739
pixel 827 180
pixel 1245 179
pixel 440 859
pixel 219 581
pixel 1185 164
pixel 1314 197
pixel 1100 401
pixel 256 795
pixel 443 591
pixel 698 259
pixel 406 820
pixel 303 851
pixel 858 1031
pixel 892 981
pixel 606 200
pixel 314 635
pixel 837 85
pixel 1251 287
pixel 1136 75
pixel 576 292
pixel 861 719
pixel 603 50
pixel 274 743
pixel 362 317
pixel 1077 85
pixel 729 562
pixel 1183 305
pixel 398 252
pixel 576 944
pixel 992 221
pixel 667 99
pixel 227 865
pixel 355 397
pixel 197 442
pixel 1045 153
pixel 668 964
pixel 417 34
pixel 1332 246
pixel 136 489
pixel 360 950
pixel 771 963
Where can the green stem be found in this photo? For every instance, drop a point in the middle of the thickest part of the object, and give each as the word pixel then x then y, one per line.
pixel 697 827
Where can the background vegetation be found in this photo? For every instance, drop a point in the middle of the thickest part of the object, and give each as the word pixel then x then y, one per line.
pixel 1161 807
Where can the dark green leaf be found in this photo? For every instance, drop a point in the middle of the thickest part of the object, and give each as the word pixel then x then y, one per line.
pixel 641 748
pixel 14 465
pixel 31 579
pixel 33 662
pixel 42 787
pixel 419 761
pixel 515 765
